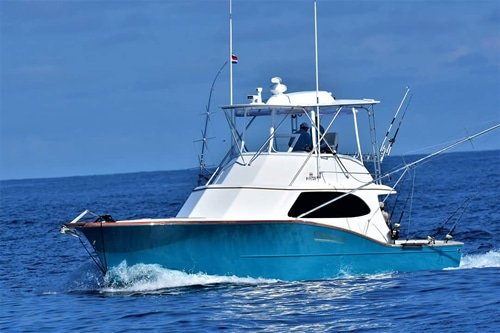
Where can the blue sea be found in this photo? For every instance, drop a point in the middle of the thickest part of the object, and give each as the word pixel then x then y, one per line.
pixel 49 284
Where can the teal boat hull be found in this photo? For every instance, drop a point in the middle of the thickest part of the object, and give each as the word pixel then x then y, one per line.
pixel 275 250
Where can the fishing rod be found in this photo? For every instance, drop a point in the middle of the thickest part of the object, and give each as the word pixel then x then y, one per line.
pixel 386 151
pixel 449 235
pixel 393 139
pixel 463 206
pixel 394 227
pixel 404 168
pixel 401 178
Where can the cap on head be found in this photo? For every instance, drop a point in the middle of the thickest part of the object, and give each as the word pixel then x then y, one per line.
pixel 304 125
pixel 381 205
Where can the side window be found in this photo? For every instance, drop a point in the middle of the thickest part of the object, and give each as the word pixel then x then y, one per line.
pixel 348 206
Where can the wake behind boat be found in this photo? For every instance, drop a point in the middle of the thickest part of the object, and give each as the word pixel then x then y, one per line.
pixel 284 203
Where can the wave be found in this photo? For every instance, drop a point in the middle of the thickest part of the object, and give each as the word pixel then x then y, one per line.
pixel 152 277
pixel 489 259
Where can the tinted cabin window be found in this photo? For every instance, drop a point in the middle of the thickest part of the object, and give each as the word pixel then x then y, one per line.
pixel 348 206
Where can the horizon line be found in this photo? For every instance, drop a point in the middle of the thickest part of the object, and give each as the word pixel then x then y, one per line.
pixel 196 167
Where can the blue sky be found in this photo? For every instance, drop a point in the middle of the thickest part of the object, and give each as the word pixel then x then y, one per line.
pixel 96 87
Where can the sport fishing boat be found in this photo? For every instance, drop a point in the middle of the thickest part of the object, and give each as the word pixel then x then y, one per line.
pixel 293 209
pixel 284 203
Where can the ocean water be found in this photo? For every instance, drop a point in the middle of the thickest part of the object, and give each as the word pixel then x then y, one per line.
pixel 49 284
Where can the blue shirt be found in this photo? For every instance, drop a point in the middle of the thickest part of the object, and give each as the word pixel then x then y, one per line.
pixel 304 141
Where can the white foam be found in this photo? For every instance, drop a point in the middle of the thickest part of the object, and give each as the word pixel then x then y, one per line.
pixel 150 278
pixel 143 278
pixel 489 259
pixel 347 275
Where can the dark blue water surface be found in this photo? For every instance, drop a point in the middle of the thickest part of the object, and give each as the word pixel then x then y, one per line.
pixel 49 284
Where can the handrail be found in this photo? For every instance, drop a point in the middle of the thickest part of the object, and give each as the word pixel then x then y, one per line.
pixel 268 139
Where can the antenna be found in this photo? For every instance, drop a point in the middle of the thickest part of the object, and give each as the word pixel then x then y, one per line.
pixel 316 51
pixel 230 52
pixel 232 118
pixel 316 133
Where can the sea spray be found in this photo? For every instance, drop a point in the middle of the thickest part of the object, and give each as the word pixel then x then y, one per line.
pixel 84 279
pixel 151 277
pixel 489 259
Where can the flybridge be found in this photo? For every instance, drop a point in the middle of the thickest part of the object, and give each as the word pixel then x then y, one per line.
pixel 314 110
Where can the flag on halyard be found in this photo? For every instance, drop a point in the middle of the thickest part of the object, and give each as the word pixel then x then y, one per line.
pixel 234 59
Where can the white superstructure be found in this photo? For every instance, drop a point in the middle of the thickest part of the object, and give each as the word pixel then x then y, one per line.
pixel 280 181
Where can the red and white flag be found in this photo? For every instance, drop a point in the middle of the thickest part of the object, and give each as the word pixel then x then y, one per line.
pixel 234 59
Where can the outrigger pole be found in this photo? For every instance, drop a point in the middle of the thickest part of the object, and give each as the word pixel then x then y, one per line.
pixel 439 152
pixel 204 139
pixel 405 168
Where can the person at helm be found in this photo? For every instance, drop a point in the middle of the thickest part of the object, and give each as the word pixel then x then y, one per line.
pixel 304 142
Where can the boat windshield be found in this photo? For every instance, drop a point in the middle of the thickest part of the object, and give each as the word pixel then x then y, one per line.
pixel 265 130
